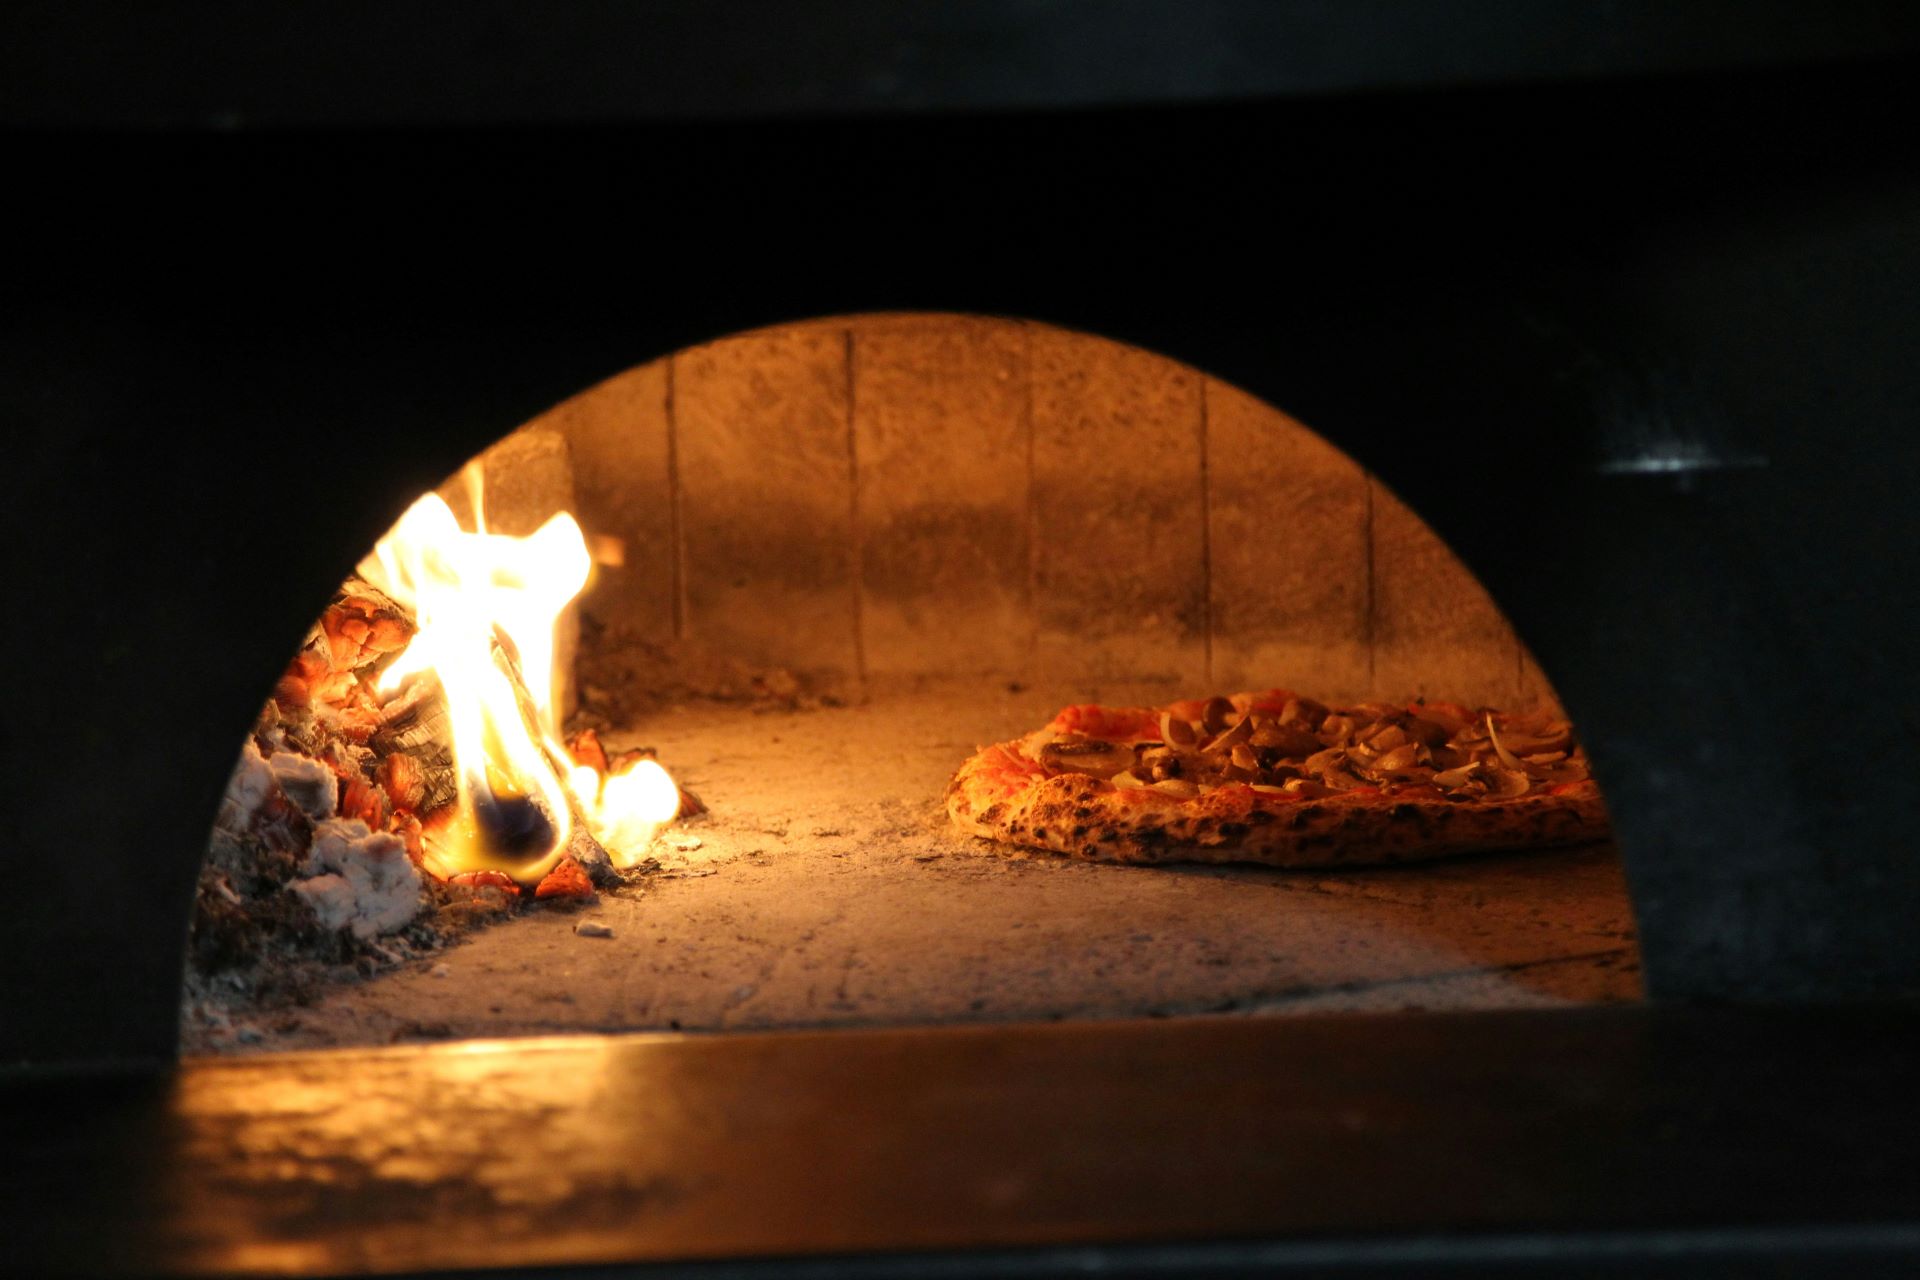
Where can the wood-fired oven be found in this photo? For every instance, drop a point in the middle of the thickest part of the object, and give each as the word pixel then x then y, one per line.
pixel 1584 335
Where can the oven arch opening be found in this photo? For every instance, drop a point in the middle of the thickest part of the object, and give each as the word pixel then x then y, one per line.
pixel 945 526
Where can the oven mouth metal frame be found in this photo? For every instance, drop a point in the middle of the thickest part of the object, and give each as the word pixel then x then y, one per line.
pixel 1564 1143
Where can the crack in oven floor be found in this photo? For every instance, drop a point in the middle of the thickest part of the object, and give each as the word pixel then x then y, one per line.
pixel 827 888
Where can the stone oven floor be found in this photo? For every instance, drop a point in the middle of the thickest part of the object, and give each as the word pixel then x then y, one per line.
pixel 828 890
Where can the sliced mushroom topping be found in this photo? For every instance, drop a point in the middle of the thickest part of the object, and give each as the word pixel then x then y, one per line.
pixel 1390 738
pixel 1330 767
pixel 1564 771
pixel 1176 732
pixel 1158 762
pixel 1304 712
pixel 1529 744
pixel 1127 780
pixel 1508 783
pixel 1336 729
pixel 1468 735
pixel 1305 788
pixel 1532 724
pixel 1400 760
pixel 1239 732
pixel 1452 779
pixel 1218 714
pixel 1177 787
pixel 1331 758
pixel 1429 733
pixel 1243 758
pixel 1287 737
pixel 1447 717
pixel 1094 757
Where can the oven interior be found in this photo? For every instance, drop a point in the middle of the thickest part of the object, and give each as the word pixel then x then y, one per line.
pixel 843 554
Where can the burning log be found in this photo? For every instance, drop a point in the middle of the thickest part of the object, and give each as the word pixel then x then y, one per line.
pixel 404 779
pixel 369 818
pixel 415 741
pixel 366 802
pixel 407 774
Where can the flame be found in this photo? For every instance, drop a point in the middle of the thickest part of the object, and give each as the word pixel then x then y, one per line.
pixel 627 807
pixel 486 604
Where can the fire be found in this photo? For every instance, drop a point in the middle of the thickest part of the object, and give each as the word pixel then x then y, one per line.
pixel 487 604
pixel 626 807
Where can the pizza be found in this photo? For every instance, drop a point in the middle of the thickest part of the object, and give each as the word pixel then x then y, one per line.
pixel 1278 778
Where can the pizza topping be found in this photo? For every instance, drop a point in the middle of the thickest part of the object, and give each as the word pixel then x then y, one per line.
pixel 1513 762
pixel 1094 757
pixel 1565 771
pixel 1216 714
pixel 1162 763
pixel 1007 772
pixel 1177 732
pixel 1231 736
pixel 1304 750
pixel 1507 783
pixel 1389 738
pixel 1453 779
pixel 1331 758
pixel 1400 761
pixel 1553 742
pixel 1286 737
pixel 1337 728
pixel 1303 711
pixel 1428 733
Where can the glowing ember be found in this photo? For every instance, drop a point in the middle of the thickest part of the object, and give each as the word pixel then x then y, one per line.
pixel 485 604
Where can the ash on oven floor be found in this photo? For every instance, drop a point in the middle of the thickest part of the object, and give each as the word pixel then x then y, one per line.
pixel 825 888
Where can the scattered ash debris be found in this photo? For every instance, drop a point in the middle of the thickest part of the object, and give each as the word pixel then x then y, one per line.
pixel 623 675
